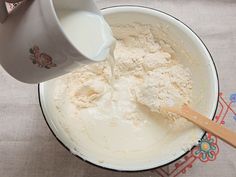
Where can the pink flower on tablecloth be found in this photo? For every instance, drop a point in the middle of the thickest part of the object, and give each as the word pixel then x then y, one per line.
pixel 207 150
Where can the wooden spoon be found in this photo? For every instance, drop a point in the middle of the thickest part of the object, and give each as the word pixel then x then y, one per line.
pixel 206 124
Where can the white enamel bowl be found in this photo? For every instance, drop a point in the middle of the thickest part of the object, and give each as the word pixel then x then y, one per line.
pixel 193 53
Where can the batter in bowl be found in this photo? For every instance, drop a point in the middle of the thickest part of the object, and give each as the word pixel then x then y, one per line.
pixel 123 120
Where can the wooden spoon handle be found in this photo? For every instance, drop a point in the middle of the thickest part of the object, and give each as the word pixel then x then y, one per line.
pixel 208 125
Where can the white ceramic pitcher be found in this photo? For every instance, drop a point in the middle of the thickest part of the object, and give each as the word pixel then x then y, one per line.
pixel 33 46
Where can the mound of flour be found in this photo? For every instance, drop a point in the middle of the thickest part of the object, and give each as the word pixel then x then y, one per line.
pixel 149 75
pixel 124 120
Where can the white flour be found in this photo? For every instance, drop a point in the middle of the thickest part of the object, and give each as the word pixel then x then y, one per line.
pixel 158 79
pixel 126 118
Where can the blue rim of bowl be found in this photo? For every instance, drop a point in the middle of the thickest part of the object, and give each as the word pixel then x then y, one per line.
pixel 153 168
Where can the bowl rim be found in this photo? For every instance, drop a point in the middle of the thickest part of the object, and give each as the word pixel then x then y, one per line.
pixel 204 132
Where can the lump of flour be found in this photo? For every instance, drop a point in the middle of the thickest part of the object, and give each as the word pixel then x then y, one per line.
pixel 87 93
pixel 144 73
pixel 164 87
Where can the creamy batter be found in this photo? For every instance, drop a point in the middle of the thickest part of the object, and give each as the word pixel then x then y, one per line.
pixel 125 120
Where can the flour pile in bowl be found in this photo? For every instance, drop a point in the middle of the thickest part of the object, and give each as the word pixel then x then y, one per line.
pixel 126 117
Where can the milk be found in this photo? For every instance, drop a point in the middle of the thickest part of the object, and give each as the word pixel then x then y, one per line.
pixel 88 32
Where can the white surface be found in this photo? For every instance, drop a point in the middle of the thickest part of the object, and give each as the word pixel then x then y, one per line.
pixel 27 147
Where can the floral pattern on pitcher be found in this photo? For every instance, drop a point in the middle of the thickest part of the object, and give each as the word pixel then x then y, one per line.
pixel 43 60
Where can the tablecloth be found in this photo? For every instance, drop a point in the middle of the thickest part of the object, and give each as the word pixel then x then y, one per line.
pixel 28 148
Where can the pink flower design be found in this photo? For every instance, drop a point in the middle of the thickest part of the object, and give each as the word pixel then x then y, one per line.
pixel 43 60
